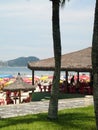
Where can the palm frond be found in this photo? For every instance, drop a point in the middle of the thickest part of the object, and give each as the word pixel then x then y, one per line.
pixel 63 2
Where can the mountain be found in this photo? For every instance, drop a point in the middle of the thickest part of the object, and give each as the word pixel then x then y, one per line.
pixel 21 61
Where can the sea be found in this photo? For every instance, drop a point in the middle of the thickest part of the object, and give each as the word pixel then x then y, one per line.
pixel 24 71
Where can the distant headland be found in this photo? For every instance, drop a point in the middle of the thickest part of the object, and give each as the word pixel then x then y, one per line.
pixel 19 62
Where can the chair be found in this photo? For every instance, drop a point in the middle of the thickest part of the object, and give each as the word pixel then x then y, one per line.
pixel 72 89
pixel 44 87
pixel 89 90
pixel 2 102
pixel 39 85
pixel 82 90
pixel 25 100
pixel 9 101
pixel 49 88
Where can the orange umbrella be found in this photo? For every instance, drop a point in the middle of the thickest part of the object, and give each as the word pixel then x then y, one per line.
pixel 83 77
pixel 29 79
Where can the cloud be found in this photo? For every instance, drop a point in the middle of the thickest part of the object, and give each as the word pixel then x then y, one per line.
pixel 25 27
pixel 26 9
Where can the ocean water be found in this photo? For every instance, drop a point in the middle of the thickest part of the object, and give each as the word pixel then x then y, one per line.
pixel 24 71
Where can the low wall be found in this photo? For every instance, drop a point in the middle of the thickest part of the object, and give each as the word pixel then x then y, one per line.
pixel 82 99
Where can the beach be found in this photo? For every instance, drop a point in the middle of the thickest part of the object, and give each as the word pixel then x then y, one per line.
pixel 42 79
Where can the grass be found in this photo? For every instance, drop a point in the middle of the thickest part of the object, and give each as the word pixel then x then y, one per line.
pixel 69 119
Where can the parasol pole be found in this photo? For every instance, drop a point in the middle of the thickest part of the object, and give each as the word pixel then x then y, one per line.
pixel 19 96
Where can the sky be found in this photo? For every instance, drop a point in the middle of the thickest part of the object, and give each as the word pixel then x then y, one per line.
pixel 26 27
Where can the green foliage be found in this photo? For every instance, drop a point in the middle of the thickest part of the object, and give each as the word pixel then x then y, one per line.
pixel 69 119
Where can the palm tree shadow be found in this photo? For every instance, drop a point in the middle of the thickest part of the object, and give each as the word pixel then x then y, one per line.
pixel 22 120
pixel 64 120
pixel 74 120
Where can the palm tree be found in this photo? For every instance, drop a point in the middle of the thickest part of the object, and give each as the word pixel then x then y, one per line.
pixel 53 104
pixel 95 62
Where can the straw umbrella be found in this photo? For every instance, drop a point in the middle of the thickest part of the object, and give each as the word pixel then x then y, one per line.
pixel 18 86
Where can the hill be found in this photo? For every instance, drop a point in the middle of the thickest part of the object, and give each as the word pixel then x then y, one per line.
pixel 21 61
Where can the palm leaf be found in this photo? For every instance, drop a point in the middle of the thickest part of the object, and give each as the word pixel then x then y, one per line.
pixel 63 2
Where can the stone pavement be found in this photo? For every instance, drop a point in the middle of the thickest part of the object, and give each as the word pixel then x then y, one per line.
pixel 7 111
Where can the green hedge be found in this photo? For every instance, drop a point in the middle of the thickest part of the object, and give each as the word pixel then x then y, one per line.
pixel 38 96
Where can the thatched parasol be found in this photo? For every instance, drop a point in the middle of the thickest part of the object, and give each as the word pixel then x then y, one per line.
pixel 19 85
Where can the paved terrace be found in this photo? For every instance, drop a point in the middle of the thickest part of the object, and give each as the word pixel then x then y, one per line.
pixel 7 111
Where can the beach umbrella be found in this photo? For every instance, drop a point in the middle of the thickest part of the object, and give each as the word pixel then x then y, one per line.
pixel 36 78
pixel 6 76
pixel 46 77
pixel 10 82
pixel 83 77
pixel 2 81
pixel 29 79
pixel 19 84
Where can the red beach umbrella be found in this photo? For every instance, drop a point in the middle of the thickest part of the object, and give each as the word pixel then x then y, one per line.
pixel 83 77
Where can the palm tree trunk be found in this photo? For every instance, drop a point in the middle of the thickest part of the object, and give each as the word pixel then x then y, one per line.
pixel 53 104
pixel 95 62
